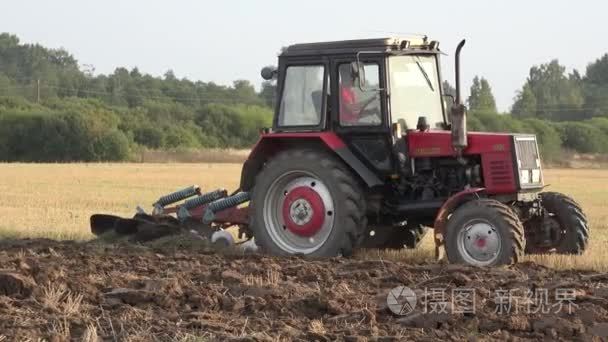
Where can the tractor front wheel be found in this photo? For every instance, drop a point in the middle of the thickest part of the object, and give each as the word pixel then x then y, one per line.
pixel 484 232
pixel 563 228
pixel 306 202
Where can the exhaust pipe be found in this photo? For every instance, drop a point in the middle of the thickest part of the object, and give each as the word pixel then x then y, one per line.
pixel 457 70
pixel 458 112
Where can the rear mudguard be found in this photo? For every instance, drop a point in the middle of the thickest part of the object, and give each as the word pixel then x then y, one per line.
pixel 272 143
pixel 446 209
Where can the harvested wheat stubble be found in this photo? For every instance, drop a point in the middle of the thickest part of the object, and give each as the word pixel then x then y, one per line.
pixel 92 291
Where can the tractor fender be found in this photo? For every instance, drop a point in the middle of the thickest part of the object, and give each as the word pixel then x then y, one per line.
pixel 446 209
pixel 271 143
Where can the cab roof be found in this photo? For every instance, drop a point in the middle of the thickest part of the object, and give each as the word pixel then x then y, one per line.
pixel 358 45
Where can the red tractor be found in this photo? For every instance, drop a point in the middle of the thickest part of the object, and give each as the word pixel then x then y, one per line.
pixel 366 151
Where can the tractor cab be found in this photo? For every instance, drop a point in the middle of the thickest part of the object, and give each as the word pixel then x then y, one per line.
pixel 369 92
pixel 355 84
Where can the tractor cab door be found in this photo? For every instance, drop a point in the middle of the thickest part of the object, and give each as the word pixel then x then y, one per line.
pixel 359 112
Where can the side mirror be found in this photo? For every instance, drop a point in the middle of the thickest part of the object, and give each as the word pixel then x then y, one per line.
pixel 357 71
pixel 268 73
pixel 448 100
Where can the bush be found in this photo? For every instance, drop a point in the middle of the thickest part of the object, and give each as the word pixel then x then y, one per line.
pixel 583 137
pixel 491 122
pixel 601 123
pixel 549 140
pixel 181 136
pixel 474 124
pixel 111 146
pixel 52 137
pixel 152 137
pixel 236 125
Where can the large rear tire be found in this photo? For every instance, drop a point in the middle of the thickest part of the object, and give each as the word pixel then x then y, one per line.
pixel 306 202
pixel 567 225
pixel 484 232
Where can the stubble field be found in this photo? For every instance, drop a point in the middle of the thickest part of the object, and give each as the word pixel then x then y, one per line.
pixel 87 291
pixel 55 200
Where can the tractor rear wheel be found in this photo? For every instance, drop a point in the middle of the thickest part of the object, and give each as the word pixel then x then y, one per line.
pixel 565 226
pixel 306 202
pixel 484 232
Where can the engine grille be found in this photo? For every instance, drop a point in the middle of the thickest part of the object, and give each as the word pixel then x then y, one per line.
pixel 501 172
pixel 527 152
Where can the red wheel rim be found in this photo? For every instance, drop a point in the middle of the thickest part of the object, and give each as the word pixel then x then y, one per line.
pixel 303 211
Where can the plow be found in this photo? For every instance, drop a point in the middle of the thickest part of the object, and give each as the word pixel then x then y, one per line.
pixel 205 215
pixel 367 151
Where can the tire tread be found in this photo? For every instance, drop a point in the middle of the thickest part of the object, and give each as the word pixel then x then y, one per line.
pixel 571 215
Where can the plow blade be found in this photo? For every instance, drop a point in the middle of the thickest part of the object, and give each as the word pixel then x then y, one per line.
pixel 141 227
pixel 101 223
pixel 203 217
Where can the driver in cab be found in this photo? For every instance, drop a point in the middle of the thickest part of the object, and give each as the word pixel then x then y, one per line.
pixel 354 110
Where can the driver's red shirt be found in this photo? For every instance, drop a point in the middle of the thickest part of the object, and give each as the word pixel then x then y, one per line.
pixel 347 104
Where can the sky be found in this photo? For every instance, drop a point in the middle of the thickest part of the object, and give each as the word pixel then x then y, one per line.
pixel 225 40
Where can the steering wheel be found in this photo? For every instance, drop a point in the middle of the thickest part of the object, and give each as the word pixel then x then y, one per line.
pixel 362 113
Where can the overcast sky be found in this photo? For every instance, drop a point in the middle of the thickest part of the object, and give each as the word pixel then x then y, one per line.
pixel 224 40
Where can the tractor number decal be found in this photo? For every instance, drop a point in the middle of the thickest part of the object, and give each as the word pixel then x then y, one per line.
pixel 428 150
pixel 498 147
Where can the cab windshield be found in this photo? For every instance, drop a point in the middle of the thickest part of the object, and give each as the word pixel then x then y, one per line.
pixel 414 90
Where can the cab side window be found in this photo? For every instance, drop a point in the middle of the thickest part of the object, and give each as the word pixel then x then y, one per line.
pixel 359 107
pixel 302 98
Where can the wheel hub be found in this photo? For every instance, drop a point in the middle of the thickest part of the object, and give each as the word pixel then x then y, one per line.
pixel 480 242
pixel 303 211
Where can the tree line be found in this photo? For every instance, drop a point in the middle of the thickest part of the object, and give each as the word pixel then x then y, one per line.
pixel 53 109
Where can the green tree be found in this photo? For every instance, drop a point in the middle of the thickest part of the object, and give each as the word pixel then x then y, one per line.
pixel 448 89
pixel 268 93
pixel 595 85
pixel 552 94
pixel 525 103
pixel 481 98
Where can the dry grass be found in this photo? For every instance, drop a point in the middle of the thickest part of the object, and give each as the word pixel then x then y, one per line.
pixel 193 156
pixel 56 200
pixel 316 326
pixel 271 279
pixel 58 298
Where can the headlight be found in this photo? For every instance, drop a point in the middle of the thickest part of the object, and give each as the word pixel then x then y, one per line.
pixel 525 177
pixel 529 176
pixel 536 176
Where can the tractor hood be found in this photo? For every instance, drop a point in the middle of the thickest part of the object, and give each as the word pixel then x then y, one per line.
pixel 510 162
pixel 439 143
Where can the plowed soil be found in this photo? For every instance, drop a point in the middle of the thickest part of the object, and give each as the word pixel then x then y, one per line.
pixel 88 291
